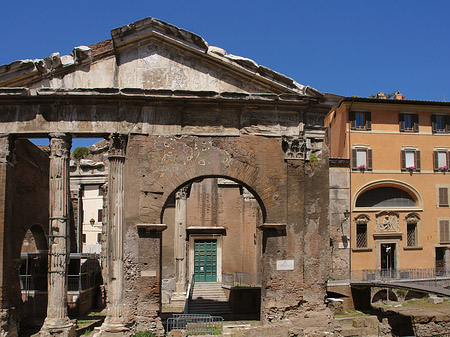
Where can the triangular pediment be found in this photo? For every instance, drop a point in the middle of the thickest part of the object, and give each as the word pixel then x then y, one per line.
pixel 151 54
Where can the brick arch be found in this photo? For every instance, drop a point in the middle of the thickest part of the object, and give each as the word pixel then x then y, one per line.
pixel 221 164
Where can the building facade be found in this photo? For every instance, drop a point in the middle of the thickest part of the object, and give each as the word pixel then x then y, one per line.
pixel 398 205
pixel 176 112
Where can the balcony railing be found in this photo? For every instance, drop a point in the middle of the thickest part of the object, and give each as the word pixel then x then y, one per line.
pixel 399 274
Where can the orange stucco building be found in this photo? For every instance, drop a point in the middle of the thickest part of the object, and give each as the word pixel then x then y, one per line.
pixel 398 182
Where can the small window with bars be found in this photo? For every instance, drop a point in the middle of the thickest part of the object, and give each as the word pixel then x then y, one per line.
pixel 444 235
pixel 361 236
pixel 411 235
pixel 443 197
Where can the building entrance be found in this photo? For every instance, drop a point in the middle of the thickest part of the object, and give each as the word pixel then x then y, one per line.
pixel 205 260
pixel 388 259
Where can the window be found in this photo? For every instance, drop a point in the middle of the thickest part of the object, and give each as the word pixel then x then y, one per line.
pixel 362 159
pixel 385 197
pixel 361 236
pixel 444 235
pixel 409 122
pixel 99 237
pixel 84 238
pixel 441 160
pixel 440 123
pixel 100 215
pixel 443 197
pixel 410 160
pixel 411 235
pixel 360 120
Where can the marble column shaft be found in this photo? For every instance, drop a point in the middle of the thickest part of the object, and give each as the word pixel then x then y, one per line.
pixel 180 239
pixel 59 240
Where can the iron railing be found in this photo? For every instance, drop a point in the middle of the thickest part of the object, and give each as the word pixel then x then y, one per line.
pixel 190 290
pixel 399 274
pixel 196 324
pixel 75 282
pixel 242 279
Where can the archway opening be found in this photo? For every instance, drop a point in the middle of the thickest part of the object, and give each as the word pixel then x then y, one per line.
pixel 33 277
pixel 211 249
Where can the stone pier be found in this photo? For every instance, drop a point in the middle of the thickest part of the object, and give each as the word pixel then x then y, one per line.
pixel 57 322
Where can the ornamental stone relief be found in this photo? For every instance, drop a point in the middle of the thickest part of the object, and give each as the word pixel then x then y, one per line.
pixel 387 222
pixel 412 218
pixel 362 219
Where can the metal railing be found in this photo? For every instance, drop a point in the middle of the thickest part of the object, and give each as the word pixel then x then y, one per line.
pixel 75 282
pixel 196 324
pixel 190 290
pixel 242 279
pixel 33 282
pixel 399 274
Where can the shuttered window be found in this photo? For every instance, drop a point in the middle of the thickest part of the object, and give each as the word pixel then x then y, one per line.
pixel 411 235
pixel 360 120
pixel 362 159
pixel 410 160
pixel 440 123
pixel 100 215
pixel 408 122
pixel 444 231
pixel 441 160
pixel 443 197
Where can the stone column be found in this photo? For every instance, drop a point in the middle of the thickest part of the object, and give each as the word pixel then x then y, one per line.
pixel 447 261
pixel 9 293
pixel 114 322
pixel 180 244
pixel 57 323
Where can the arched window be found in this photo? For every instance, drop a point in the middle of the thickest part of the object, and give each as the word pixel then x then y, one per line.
pixel 385 197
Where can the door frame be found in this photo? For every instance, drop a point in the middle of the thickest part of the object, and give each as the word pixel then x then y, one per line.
pixel 395 256
pixel 218 238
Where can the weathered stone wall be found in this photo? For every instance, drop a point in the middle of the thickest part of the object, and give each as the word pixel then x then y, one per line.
pixel 291 193
pixel 24 206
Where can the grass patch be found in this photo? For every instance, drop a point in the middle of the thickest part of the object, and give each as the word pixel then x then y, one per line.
pixel 352 313
pixel 87 332
pixel 144 334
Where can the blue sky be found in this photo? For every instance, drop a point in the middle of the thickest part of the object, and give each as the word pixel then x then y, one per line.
pixel 346 47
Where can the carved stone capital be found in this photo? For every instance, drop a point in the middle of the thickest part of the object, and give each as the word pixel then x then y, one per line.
pixel 60 144
pixel 6 148
pixel 293 147
pixel 117 145
pixel 387 222
pixel 362 219
pixel 182 193
pixel 412 218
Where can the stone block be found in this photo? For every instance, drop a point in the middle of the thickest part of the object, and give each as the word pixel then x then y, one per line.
pixel 435 299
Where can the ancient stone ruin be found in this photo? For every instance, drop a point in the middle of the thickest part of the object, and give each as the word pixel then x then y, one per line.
pixel 176 112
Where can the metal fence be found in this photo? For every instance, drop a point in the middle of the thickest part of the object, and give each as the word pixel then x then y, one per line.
pixel 242 279
pixel 196 324
pixel 75 282
pixel 399 274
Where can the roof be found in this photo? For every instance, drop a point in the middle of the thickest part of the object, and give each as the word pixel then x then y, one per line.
pixel 391 101
pixel 26 73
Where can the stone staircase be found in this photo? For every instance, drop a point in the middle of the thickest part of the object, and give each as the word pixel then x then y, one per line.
pixel 209 298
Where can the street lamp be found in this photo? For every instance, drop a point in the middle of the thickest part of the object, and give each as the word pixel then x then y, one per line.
pixel 92 222
pixel 388 251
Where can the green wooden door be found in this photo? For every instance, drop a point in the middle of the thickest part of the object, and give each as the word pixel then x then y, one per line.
pixel 205 260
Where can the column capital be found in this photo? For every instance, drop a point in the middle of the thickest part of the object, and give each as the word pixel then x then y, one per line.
pixel 60 144
pixel 183 192
pixel 6 148
pixel 117 144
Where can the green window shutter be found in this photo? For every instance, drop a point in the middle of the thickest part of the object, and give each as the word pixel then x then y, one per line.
pixel 433 123
pixel 368 120
pixel 354 159
pixel 369 159
pixel 403 160
pixel 416 123
pixel 401 121
pixel 435 161
pixel 443 197
pixel 444 231
pixel 417 160
pixel 352 120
